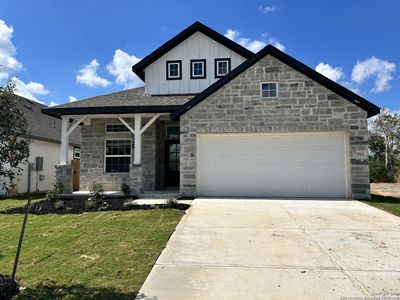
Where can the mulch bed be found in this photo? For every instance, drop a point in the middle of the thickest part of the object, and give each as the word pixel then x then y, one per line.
pixel 77 206
pixel 8 287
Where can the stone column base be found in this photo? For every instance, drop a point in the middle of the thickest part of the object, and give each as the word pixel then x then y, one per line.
pixel 136 179
pixel 64 175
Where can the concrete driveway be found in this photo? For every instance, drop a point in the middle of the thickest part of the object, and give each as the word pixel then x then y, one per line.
pixel 279 249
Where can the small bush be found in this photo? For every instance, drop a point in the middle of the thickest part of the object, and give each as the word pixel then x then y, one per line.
pixel 171 203
pixel 130 205
pixel 59 205
pixel 96 199
pixel 54 195
pixel 126 190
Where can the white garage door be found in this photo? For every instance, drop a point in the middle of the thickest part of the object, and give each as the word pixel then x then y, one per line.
pixel 272 165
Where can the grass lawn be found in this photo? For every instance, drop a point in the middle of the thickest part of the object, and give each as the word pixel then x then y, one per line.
pixel 97 255
pixel 386 203
pixel 16 201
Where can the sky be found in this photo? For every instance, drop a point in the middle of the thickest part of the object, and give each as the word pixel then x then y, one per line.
pixel 61 51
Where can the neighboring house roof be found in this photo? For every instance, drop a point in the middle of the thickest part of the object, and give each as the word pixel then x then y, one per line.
pixel 369 107
pixel 179 38
pixel 127 101
pixel 44 127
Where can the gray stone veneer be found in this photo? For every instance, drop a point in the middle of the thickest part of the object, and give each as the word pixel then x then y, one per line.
pixel 64 174
pixel 92 156
pixel 301 105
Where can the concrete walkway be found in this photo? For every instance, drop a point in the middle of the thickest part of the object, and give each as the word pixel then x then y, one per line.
pixel 278 249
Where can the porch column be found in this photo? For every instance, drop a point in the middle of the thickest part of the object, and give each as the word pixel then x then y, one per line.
pixel 138 141
pixel 64 140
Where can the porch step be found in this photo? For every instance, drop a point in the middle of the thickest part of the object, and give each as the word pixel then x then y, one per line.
pixel 159 195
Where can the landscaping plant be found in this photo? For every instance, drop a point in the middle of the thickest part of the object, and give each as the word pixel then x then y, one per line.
pixel 126 190
pixel 96 199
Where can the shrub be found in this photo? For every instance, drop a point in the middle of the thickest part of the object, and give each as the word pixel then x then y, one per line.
pixel 379 173
pixel 54 195
pixel 171 203
pixel 126 190
pixel 96 199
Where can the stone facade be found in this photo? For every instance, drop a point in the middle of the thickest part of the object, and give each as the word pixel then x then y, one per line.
pixel 302 105
pixel 92 156
pixel 64 174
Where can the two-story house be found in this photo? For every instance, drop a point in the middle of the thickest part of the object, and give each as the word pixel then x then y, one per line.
pixel 215 119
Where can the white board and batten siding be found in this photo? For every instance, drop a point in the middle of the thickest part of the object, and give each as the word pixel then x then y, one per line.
pixel 197 46
pixel 273 165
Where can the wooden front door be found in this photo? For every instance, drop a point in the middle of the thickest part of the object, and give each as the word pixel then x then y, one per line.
pixel 172 156
pixel 76 169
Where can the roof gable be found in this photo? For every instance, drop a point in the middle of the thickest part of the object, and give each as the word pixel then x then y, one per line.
pixel 361 102
pixel 138 69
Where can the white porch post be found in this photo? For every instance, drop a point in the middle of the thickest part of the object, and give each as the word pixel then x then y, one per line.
pixel 138 140
pixel 64 140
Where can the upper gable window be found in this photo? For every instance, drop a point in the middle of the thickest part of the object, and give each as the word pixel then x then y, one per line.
pixel 116 127
pixel 174 69
pixel 269 89
pixel 197 69
pixel 222 67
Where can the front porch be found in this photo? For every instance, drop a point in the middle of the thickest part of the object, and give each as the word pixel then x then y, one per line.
pixel 141 150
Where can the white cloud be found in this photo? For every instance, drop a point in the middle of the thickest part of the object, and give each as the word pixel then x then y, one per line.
pixel 72 99
pixel 121 68
pixel 88 75
pixel 333 73
pixel 373 67
pixel 253 45
pixel 52 103
pixel 29 90
pixel 268 9
pixel 8 63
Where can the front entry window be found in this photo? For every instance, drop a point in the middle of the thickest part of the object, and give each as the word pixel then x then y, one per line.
pixel 118 155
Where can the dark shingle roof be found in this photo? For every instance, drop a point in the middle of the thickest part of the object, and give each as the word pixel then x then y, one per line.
pixel 42 126
pixel 127 101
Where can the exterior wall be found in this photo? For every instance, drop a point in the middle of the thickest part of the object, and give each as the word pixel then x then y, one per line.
pixel 302 105
pixel 197 46
pixel 51 152
pixel 92 156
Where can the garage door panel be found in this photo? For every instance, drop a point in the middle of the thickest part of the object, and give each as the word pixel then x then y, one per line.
pixel 272 165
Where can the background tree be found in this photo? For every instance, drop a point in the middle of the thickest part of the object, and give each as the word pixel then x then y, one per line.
pixel 14 137
pixel 384 145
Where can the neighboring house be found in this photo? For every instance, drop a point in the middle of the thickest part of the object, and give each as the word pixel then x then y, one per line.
pixel 215 119
pixel 45 147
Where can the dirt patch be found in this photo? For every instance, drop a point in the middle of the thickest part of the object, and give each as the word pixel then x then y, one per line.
pixel 77 206
pixel 8 287
pixel 386 189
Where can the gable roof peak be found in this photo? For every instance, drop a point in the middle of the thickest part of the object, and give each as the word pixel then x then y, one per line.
pixel 197 26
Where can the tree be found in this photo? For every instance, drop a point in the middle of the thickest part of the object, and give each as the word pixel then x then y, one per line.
pixel 384 143
pixel 14 137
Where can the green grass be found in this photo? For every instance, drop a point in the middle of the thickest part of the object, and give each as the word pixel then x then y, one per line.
pixel 98 255
pixel 386 203
pixel 17 201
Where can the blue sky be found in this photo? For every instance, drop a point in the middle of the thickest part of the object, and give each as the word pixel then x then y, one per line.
pixel 82 48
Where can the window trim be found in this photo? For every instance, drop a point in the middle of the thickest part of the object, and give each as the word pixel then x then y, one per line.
pixel 105 155
pixel 179 62
pixel 116 132
pixel 216 61
pixel 261 90
pixel 192 76
pixel 166 132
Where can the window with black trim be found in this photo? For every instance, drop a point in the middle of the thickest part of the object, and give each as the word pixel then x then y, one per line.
pixel 173 132
pixel 174 69
pixel 222 67
pixel 269 89
pixel 197 69
pixel 117 155
pixel 116 127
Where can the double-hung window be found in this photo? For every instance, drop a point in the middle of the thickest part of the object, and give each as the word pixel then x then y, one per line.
pixel 174 69
pixel 117 155
pixel 222 67
pixel 197 69
pixel 269 89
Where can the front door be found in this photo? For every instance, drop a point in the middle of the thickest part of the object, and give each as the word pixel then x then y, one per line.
pixel 172 151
